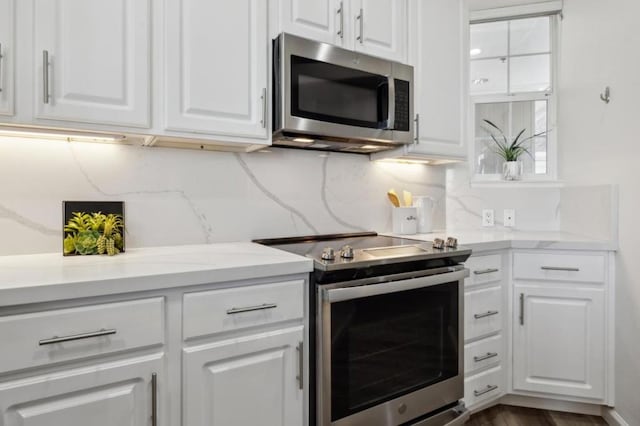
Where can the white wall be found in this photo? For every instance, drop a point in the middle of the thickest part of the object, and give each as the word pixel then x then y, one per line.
pixel 178 196
pixel 599 143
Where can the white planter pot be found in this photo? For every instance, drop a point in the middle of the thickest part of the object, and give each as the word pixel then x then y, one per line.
pixel 512 170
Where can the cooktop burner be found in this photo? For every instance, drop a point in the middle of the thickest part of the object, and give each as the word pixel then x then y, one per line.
pixel 362 250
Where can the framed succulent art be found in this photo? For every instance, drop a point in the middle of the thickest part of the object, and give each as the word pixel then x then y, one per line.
pixel 93 228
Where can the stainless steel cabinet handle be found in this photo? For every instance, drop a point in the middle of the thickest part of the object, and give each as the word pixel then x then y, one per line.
pixel 483 357
pixel 486 271
pixel 154 399
pixel 341 13
pixel 300 376
pixel 1 67
pixel 417 121
pixel 485 314
pixel 360 17
pixel 521 309
pixel 560 268
pixel 264 108
pixel 252 308
pixel 56 339
pixel 488 389
pixel 45 76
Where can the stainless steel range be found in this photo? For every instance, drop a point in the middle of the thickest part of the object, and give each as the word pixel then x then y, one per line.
pixel 387 343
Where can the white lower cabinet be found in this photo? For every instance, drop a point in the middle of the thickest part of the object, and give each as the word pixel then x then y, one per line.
pixel 251 380
pixel 559 344
pixel 118 393
pixel 485 347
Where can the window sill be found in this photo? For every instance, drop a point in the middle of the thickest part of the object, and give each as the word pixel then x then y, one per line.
pixel 517 184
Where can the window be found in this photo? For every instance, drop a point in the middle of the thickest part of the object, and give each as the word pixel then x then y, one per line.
pixel 512 85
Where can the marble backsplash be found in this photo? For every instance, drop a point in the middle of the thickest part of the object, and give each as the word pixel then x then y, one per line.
pixel 537 209
pixel 176 197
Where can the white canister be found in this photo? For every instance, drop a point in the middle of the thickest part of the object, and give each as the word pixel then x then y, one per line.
pixel 425 207
pixel 404 220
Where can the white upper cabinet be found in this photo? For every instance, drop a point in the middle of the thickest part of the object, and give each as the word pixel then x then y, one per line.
pixel 320 20
pixel 374 27
pixel 380 28
pixel 559 341
pixel 7 55
pixel 91 61
pixel 439 55
pixel 216 67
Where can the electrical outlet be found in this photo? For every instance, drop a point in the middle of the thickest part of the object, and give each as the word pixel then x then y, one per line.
pixel 509 218
pixel 488 217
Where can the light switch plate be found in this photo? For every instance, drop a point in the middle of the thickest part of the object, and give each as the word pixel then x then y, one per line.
pixel 488 218
pixel 509 218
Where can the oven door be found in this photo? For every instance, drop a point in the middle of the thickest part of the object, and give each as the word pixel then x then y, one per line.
pixel 390 352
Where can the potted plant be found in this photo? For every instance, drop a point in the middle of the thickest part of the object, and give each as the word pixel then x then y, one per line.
pixel 510 152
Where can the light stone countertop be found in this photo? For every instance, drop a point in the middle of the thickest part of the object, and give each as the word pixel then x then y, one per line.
pixel 497 239
pixel 48 277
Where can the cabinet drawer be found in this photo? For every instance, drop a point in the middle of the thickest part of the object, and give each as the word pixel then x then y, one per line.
pixel 483 386
pixel 584 267
pixel 483 353
pixel 482 312
pixel 484 269
pixel 52 336
pixel 215 311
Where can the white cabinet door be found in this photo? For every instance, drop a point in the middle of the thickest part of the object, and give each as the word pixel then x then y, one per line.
pixel 216 67
pixel 438 53
pixel 244 381
pixel 115 394
pixel 380 28
pixel 98 55
pixel 319 20
pixel 7 55
pixel 559 341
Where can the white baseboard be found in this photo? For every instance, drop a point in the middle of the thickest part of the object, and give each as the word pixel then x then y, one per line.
pixel 552 404
pixel 611 416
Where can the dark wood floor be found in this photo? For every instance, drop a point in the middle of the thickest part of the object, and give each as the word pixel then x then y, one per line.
pixel 506 415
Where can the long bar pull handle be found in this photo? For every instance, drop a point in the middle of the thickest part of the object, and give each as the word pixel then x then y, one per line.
pixel 1 56
pixel 341 13
pixel 391 117
pixel 521 309
pixel 264 108
pixel 485 314
pixel 488 355
pixel 488 389
pixel 417 121
pixel 560 268
pixel 486 271
pixel 45 76
pixel 360 17
pixel 300 376
pixel 56 339
pixel 154 399
pixel 251 308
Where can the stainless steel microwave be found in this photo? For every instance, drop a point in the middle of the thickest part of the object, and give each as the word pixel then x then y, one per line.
pixel 329 98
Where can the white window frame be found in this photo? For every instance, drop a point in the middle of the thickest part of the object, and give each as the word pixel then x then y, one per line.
pixel 551 177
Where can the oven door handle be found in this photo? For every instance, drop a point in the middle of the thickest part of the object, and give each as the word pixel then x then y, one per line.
pixel 391 118
pixel 358 292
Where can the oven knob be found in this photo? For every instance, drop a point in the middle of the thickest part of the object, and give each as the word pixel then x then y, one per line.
pixel 452 242
pixel 346 252
pixel 438 243
pixel 328 254
pixel 402 408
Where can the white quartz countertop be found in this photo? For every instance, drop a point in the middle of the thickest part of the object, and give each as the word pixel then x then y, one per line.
pixel 49 277
pixel 490 239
